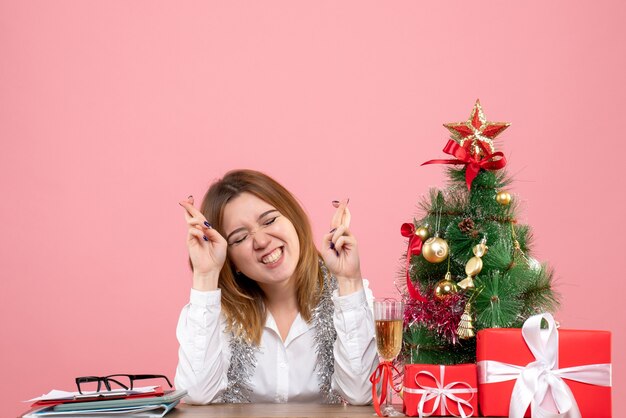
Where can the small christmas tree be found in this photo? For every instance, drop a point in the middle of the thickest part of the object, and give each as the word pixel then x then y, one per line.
pixel 469 263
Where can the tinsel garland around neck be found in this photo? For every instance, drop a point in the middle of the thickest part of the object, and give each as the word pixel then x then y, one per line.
pixel 243 352
pixel 325 336
pixel 242 365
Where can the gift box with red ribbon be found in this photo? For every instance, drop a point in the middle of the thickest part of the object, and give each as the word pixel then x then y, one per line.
pixel 541 372
pixel 437 390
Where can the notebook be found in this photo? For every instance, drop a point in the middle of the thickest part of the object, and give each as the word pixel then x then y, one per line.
pixel 168 397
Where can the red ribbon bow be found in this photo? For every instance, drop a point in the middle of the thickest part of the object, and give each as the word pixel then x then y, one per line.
pixel 474 163
pixel 415 248
pixel 384 373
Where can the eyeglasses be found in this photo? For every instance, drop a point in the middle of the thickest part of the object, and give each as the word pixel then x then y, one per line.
pixel 126 381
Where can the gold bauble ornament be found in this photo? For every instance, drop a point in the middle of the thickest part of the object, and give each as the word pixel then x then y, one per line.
pixel 435 249
pixel 423 232
pixel 445 288
pixel 503 198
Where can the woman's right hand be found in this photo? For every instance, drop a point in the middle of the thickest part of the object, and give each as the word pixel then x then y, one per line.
pixel 207 248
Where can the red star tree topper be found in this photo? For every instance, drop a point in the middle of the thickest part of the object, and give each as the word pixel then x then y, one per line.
pixel 475 129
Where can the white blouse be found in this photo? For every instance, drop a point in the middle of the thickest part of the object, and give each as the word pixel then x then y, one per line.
pixel 285 371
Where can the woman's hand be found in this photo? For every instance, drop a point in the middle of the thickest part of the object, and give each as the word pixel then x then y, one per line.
pixel 340 251
pixel 207 248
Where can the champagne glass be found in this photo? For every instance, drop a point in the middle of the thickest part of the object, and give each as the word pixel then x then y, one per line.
pixel 388 316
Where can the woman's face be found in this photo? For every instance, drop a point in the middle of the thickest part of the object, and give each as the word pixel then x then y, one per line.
pixel 262 243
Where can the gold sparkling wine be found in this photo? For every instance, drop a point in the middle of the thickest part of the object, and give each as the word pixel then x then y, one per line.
pixel 389 338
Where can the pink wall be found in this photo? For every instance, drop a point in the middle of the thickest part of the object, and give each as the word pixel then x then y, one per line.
pixel 111 111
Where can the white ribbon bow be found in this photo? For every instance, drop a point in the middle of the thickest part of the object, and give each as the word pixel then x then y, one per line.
pixel 441 393
pixel 542 377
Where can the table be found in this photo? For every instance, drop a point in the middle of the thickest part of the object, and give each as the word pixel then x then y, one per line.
pixel 273 411
pixel 270 410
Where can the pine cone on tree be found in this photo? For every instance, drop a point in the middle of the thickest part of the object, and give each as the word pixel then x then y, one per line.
pixel 468 227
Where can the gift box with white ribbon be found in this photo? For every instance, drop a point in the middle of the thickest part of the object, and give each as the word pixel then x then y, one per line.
pixel 542 371
pixel 436 390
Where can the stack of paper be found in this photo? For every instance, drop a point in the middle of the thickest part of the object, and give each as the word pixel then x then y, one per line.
pixel 146 402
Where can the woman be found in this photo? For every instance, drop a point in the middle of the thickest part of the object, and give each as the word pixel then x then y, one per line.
pixel 270 318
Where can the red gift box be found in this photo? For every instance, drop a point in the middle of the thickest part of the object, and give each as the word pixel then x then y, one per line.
pixel 441 390
pixel 570 350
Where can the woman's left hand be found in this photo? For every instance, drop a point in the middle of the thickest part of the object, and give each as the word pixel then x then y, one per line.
pixel 340 251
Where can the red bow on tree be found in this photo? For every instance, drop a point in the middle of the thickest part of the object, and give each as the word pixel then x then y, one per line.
pixel 490 161
pixel 415 248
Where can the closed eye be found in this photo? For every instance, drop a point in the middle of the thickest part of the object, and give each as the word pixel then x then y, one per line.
pixel 270 221
pixel 239 241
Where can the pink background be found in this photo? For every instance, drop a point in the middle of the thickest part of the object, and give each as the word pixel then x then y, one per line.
pixel 112 111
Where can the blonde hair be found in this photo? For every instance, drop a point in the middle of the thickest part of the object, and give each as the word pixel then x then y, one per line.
pixel 242 298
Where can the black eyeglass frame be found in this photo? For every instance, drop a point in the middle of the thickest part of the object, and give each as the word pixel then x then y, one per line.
pixel 106 380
